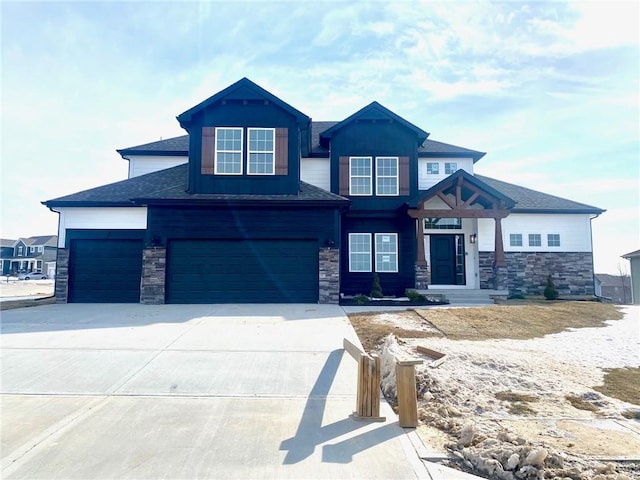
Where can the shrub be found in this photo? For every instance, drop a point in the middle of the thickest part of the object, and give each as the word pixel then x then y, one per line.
pixel 376 288
pixel 360 299
pixel 550 291
pixel 415 296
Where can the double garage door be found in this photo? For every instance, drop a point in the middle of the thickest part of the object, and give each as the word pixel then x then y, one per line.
pixel 198 271
pixel 242 271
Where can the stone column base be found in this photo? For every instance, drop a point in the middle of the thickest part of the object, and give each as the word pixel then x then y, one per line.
pixel 329 275
pixel 501 278
pixel 61 290
pixel 152 283
pixel 423 277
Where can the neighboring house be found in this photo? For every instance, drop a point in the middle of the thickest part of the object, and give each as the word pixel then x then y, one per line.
pixel 260 204
pixel 634 259
pixel 6 254
pixel 30 254
pixel 614 287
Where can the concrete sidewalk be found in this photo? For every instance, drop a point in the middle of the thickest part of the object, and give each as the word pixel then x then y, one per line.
pixel 175 391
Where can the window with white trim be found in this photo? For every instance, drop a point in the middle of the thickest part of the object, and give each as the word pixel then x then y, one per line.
pixel 360 175
pixel 515 239
pixel 228 156
pixel 386 176
pixel 20 250
pixel 450 167
pixel 535 240
pixel 359 252
pixel 32 249
pixel 386 252
pixel 41 248
pixel 553 239
pixel 261 150
pixel 433 168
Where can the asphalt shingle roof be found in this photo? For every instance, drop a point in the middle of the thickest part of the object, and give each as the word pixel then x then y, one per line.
pixel 180 145
pixel 528 200
pixel 170 185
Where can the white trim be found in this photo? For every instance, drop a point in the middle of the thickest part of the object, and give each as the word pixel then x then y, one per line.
pixel 370 176
pixel 383 254
pixel 272 152
pixel 396 176
pixel 100 218
pixel 215 158
pixel 368 235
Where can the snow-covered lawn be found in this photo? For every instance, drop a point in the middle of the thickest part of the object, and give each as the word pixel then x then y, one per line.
pixel 493 403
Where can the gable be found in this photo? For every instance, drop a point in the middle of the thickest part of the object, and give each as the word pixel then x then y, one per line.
pixel 371 114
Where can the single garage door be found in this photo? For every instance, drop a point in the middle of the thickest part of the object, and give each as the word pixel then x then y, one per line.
pixel 105 271
pixel 242 271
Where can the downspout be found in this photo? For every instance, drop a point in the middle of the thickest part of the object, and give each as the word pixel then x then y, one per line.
pixel 593 271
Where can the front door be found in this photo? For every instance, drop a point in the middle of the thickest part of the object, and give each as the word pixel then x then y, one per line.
pixel 443 259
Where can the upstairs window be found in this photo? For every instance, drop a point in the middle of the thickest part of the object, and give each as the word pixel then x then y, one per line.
pixel 20 251
pixel 450 167
pixel 553 240
pixel 261 151
pixel 433 168
pixel 387 176
pixel 40 248
pixel 359 252
pixel 32 249
pixel 360 175
pixel 386 252
pixel 515 239
pixel 228 156
pixel 535 240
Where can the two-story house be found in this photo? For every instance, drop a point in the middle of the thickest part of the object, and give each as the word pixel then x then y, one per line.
pixel 30 254
pixel 258 203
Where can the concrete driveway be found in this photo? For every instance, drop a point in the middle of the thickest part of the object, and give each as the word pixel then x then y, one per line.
pixel 189 391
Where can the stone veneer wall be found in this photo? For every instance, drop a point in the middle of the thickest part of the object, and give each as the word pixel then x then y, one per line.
pixel 423 277
pixel 329 275
pixel 526 272
pixel 152 283
pixel 62 276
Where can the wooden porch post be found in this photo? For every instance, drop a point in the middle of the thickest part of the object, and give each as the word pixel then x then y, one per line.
pixel 420 260
pixel 500 260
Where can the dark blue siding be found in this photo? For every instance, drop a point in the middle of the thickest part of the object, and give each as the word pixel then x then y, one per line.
pixel 254 113
pixel 242 223
pixel 392 283
pixel 381 138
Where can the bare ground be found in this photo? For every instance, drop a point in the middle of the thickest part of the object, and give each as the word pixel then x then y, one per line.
pixel 511 397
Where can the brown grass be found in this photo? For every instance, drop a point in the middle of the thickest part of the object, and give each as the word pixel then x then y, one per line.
pixel 371 332
pixel 518 322
pixel 519 402
pixel 581 403
pixel 622 383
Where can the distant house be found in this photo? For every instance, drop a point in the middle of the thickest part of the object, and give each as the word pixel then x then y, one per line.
pixel 615 287
pixel 30 254
pixel 258 203
pixel 634 259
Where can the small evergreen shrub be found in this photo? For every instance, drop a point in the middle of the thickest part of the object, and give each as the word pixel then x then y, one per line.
pixel 550 291
pixel 414 296
pixel 360 299
pixel 376 288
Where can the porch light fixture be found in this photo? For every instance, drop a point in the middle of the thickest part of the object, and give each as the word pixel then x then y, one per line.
pixel 329 242
pixel 473 238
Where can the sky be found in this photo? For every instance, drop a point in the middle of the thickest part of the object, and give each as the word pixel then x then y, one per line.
pixel 548 89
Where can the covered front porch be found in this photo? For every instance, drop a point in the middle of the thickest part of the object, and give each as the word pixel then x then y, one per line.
pixel 446 224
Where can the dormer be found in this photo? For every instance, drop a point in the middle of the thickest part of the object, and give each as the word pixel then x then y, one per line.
pixel 244 140
pixel 374 155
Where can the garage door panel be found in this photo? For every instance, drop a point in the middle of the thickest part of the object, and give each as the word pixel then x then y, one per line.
pixel 224 271
pixel 105 271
